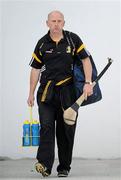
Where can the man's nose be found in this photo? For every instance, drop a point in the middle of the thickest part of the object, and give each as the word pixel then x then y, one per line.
pixel 56 23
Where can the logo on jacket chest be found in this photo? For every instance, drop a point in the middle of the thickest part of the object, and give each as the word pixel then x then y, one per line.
pixel 49 51
pixel 68 49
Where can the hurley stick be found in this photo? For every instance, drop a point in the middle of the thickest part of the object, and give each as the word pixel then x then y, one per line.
pixel 71 113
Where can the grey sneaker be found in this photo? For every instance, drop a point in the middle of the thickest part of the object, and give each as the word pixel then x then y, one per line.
pixel 40 168
pixel 63 173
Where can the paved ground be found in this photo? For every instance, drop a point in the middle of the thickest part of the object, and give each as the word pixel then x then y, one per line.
pixel 83 169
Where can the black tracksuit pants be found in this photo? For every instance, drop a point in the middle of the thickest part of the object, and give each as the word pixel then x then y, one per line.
pixel 51 120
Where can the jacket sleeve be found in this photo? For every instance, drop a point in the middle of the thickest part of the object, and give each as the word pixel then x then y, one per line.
pixel 80 48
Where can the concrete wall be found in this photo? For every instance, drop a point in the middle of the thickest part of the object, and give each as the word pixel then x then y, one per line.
pixel 97 23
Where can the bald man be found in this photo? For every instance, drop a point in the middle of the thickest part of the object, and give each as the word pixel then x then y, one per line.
pixel 52 65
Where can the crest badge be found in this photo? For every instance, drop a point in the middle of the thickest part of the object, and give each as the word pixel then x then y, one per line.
pixel 68 49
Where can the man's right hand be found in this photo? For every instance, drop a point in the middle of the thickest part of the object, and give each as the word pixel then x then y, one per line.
pixel 30 100
pixel 34 77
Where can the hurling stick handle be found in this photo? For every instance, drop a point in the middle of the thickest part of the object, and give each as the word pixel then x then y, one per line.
pixel 81 98
pixel 104 70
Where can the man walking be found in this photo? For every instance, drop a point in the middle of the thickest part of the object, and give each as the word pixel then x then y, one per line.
pixel 52 65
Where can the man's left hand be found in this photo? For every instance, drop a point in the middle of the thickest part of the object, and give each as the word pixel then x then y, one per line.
pixel 87 90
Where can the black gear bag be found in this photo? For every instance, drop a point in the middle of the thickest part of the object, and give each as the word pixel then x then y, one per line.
pixel 79 77
pixel 79 80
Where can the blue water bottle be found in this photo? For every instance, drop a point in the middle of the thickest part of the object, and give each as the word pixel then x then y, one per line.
pixel 35 133
pixel 26 133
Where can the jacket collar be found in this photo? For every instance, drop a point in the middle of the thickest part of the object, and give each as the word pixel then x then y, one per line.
pixel 49 39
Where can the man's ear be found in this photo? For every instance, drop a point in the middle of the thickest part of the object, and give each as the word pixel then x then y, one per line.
pixel 47 23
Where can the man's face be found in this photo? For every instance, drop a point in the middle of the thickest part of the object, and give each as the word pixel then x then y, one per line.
pixel 55 22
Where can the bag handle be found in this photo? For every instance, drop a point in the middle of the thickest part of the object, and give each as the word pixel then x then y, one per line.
pixel 31 115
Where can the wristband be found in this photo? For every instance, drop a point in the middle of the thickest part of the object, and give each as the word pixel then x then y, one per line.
pixel 88 83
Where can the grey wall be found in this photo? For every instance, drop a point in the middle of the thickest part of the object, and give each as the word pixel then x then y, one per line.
pixel 97 23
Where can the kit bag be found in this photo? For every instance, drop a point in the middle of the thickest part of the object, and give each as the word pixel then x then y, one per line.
pixel 79 79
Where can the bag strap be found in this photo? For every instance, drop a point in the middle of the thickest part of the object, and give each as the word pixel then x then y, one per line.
pixel 70 41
